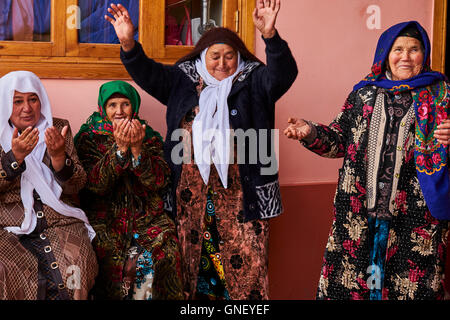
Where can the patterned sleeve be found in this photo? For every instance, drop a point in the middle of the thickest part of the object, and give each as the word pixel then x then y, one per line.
pixel 10 171
pixel 331 141
pixel 101 163
pixel 72 176
pixel 152 171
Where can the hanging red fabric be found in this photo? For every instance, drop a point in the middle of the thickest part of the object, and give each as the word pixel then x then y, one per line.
pixel 188 40
pixel 174 30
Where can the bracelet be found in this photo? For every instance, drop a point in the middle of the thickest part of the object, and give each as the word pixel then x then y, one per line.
pixel 136 162
pixel 120 154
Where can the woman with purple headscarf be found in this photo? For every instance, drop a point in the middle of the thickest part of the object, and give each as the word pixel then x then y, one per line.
pixel 388 239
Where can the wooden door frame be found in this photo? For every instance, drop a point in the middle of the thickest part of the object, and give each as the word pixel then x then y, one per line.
pixel 439 35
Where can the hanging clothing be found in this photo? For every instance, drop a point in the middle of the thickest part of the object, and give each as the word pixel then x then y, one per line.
pixel 25 20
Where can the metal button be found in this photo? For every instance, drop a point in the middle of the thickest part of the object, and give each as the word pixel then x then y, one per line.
pixel 61 286
pixel 15 165
pixel 397 175
pixel 47 249
pixel 54 265
pixel 40 214
pixel 43 236
pixel 234 112
pixel 3 173
pixel 68 162
pixel 399 148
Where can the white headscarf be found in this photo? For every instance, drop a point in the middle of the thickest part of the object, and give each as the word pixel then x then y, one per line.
pixel 37 175
pixel 211 127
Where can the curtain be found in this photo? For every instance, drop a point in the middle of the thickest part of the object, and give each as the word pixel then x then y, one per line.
pixel 94 27
pixel 25 20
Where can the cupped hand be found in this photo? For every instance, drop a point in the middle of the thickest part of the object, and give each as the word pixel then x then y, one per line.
pixel 56 146
pixel 442 134
pixel 56 142
pixel 22 145
pixel 298 129
pixel 121 134
pixel 265 16
pixel 137 137
pixel 122 25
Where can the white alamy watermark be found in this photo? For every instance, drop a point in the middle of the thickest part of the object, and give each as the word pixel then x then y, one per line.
pixel 374 281
pixel 252 147
pixel 74 277
pixel 74 17
pixel 374 20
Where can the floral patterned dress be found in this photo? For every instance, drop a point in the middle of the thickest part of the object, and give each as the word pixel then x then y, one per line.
pixel 56 261
pixel 136 243
pixel 383 243
pixel 225 257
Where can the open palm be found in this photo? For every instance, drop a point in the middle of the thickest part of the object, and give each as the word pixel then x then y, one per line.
pixel 265 16
pixel 122 25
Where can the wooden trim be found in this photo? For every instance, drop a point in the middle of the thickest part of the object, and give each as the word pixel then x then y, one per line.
pixel 152 35
pixel 66 67
pixel 65 58
pixel 439 35
pixel 229 14
pixel 247 28
pixel 58 34
pixel 25 48
pixel 71 40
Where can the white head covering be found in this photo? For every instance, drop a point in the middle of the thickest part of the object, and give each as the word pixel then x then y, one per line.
pixel 211 127
pixel 37 175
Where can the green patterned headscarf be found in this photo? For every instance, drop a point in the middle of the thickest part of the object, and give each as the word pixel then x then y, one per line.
pixel 98 122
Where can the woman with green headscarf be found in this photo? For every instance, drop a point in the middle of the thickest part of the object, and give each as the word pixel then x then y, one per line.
pixel 136 244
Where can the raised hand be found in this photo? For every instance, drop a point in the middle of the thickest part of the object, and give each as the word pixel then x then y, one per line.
pixel 298 129
pixel 121 133
pixel 122 25
pixel 442 134
pixel 22 145
pixel 137 137
pixel 265 16
pixel 56 146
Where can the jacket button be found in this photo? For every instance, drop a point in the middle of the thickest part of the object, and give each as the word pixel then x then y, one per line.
pixel 234 112
pixel 251 207
pixel 246 179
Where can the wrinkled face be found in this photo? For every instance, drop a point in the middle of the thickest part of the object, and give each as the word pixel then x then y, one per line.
pixel 26 110
pixel 118 107
pixel 406 58
pixel 221 61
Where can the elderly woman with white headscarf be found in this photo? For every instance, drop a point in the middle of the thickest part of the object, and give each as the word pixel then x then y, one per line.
pixel 46 241
pixel 223 193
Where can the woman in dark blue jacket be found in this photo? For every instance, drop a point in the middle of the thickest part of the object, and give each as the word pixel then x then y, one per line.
pixel 220 145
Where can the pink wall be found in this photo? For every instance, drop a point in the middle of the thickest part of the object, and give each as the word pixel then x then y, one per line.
pixel 334 50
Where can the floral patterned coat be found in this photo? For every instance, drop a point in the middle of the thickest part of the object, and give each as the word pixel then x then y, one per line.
pixel 416 247
pixel 124 204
